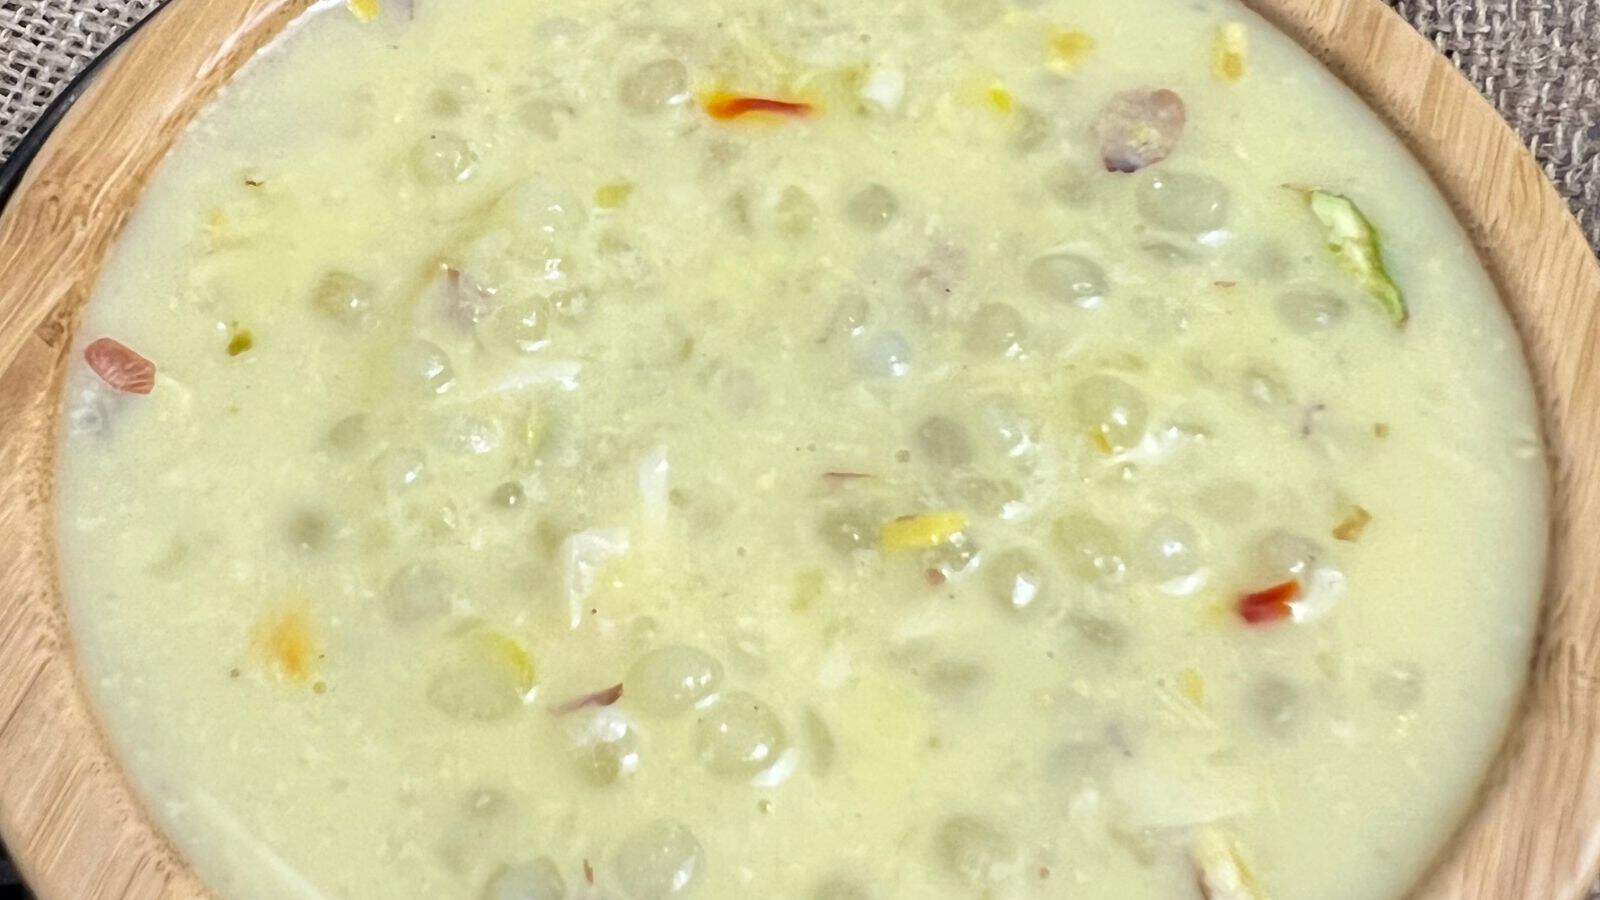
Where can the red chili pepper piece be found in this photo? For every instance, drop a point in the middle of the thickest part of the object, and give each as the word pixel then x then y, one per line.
pixel 120 367
pixel 730 106
pixel 1270 605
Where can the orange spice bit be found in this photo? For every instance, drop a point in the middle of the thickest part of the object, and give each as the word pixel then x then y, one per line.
pixel 286 641
pixel 723 107
pixel 1356 522
pixel 1270 605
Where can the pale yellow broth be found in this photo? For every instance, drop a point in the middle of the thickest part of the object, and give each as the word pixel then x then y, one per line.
pixel 493 371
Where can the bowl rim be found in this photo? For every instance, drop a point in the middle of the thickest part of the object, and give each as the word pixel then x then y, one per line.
pixel 68 812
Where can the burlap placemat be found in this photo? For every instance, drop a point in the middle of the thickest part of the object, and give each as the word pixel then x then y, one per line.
pixel 1537 60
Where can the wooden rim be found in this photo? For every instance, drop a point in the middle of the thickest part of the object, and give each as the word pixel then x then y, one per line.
pixel 69 815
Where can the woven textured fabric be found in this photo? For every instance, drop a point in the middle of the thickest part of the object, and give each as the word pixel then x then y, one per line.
pixel 1537 60
pixel 43 43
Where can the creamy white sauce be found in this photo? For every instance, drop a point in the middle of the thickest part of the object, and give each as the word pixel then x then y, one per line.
pixel 336 590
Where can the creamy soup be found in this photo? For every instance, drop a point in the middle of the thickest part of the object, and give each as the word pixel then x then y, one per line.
pixel 935 448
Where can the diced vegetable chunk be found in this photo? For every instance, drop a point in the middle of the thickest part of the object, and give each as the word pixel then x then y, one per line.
pixel 1352 238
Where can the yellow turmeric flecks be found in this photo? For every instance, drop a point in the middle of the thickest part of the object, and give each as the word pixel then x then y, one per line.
pixel 505 651
pixel 611 196
pixel 922 532
pixel 1068 50
pixel 1228 52
pixel 1001 100
pixel 1192 686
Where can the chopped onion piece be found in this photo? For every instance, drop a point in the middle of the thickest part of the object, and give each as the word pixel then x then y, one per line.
pixel 1220 873
pixel 654 483
pixel 1185 585
pixel 562 372
pixel 885 88
pixel 779 771
pixel 1175 794
pixel 1324 588
pixel 583 555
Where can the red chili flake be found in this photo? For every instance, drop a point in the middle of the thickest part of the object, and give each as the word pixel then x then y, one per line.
pixel 731 106
pixel 120 367
pixel 1270 605
pixel 935 577
pixel 588 872
pixel 604 697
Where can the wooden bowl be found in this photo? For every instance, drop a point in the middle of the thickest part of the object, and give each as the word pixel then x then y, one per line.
pixel 75 827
